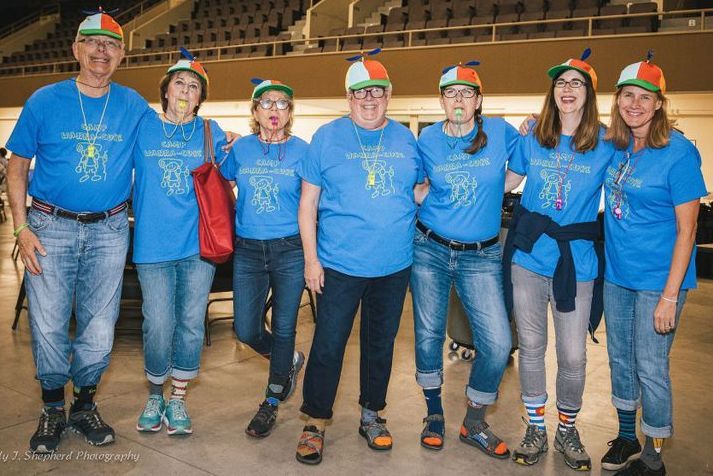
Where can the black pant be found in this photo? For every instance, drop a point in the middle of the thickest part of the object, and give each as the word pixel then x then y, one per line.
pixel 382 301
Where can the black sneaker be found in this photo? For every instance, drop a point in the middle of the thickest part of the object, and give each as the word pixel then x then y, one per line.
pixel 89 424
pixel 621 451
pixel 264 420
pixel 49 430
pixel 639 468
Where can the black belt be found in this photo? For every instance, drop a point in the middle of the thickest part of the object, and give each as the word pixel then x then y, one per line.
pixel 456 245
pixel 92 217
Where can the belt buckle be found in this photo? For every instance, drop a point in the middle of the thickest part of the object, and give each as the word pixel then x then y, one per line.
pixel 82 217
pixel 457 245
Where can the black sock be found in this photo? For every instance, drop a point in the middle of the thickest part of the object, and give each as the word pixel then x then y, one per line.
pixel 53 398
pixel 84 398
pixel 475 414
pixel 650 456
pixel 155 388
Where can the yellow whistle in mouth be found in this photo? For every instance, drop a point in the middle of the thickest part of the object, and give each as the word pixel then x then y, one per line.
pixel 182 105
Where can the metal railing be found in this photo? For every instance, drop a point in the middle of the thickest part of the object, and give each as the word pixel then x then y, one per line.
pixel 28 20
pixel 169 55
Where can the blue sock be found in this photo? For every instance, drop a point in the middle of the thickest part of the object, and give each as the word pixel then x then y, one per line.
pixel 368 416
pixel 627 424
pixel 536 414
pixel 433 400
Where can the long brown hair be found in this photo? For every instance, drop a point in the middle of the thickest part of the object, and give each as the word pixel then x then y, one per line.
pixel 548 128
pixel 659 130
pixel 481 138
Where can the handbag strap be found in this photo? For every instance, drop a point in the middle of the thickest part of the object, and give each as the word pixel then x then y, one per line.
pixel 208 142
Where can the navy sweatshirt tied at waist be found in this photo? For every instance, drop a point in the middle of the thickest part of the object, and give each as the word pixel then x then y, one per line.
pixel 525 229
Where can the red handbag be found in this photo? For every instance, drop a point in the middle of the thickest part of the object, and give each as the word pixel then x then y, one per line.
pixel 216 205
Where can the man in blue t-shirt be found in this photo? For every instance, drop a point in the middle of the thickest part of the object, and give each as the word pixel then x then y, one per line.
pixel 358 177
pixel 74 239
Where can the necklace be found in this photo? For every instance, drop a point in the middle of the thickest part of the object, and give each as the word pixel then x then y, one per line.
pixel 559 203
pixel 371 177
pixel 453 140
pixel 175 128
pixel 76 80
pixel 91 148
pixel 266 142
pixel 624 173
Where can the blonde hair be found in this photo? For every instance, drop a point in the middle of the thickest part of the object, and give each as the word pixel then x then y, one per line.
pixel 659 130
pixel 255 125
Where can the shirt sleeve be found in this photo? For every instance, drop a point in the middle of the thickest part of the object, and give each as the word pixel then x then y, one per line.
pixel 421 166
pixel 25 136
pixel 512 138
pixel 219 141
pixel 520 158
pixel 309 168
pixel 229 167
pixel 685 179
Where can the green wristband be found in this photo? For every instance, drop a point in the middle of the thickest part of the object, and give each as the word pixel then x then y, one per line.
pixel 19 229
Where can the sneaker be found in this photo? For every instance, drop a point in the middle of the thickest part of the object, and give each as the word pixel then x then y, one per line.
pixel 639 468
pixel 480 436
pixel 533 445
pixel 621 451
pixel 176 418
pixel 297 363
pixel 569 444
pixel 376 434
pixel 89 424
pixel 49 430
pixel 151 418
pixel 263 422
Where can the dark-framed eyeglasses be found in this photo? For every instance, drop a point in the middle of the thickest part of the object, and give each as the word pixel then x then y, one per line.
pixel 96 43
pixel 451 93
pixel 375 92
pixel 572 83
pixel 267 103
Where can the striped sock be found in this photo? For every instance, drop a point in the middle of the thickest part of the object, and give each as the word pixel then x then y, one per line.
pixel 536 414
pixel 567 418
pixel 627 424
pixel 178 388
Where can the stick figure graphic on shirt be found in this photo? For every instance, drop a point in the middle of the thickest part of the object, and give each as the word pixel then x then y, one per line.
pixel 379 178
pixel 553 188
pixel 92 162
pixel 175 176
pixel 265 194
pixel 462 188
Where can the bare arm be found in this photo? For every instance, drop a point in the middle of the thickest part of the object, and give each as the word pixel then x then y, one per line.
pixel 420 191
pixel 512 180
pixel 307 218
pixel 525 125
pixel 686 224
pixel 27 241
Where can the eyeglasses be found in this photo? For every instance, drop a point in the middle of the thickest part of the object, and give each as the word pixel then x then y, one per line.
pixel 451 93
pixel 574 83
pixel 374 92
pixel 96 43
pixel 280 104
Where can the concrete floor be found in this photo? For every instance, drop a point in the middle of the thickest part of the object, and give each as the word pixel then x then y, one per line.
pixel 230 386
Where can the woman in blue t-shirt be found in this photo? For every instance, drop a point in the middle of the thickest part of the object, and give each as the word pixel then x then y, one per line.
pixel 550 255
pixel 457 245
pixel 653 187
pixel 175 281
pixel 268 249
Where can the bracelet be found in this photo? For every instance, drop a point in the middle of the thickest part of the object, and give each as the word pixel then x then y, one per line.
pixel 19 229
pixel 669 299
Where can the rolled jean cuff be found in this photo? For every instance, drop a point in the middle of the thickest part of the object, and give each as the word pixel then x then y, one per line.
pixel 374 407
pixel 654 432
pixel 314 413
pixel 480 398
pixel 157 379
pixel 184 374
pixel 430 379
pixel 626 405
pixel 535 399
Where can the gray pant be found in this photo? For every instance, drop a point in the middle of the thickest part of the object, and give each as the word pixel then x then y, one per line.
pixel 531 294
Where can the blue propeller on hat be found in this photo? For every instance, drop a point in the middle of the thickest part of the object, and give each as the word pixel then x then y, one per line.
pixel 362 56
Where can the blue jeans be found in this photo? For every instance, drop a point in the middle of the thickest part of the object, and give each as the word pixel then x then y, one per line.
pixel 382 301
pixel 84 264
pixel 261 265
pixel 175 295
pixel 477 277
pixel 532 293
pixel 638 356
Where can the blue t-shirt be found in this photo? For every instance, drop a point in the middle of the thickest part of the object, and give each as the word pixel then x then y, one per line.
pixel 639 245
pixel 268 188
pixel 165 205
pixel 562 178
pixel 72 171
pixel 466 193
pixel 366 207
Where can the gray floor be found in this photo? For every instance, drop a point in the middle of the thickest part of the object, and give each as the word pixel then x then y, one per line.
pixel 232 378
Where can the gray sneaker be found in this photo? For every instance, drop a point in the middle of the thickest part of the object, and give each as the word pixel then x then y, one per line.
pixel 533 445
pixel 569 444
